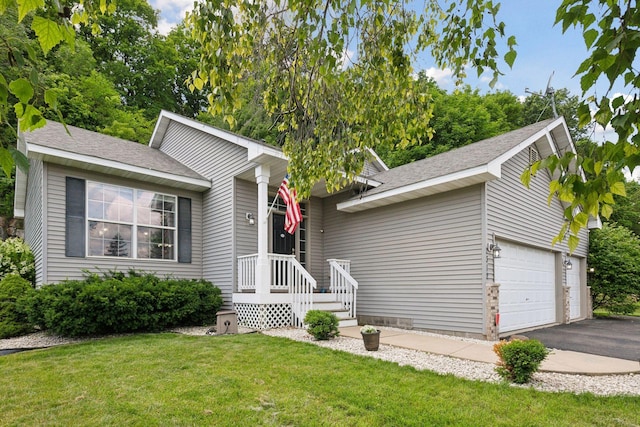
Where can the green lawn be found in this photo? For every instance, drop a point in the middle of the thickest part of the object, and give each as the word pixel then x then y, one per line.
pixel 604 313
pixel 246 380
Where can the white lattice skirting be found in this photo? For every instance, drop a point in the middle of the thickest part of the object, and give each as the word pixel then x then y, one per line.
pixel 264 316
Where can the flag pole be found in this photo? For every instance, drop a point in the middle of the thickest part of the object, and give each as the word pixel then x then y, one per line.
pixel 272 203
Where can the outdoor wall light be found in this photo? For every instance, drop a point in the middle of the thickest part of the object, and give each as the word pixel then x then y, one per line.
pixel 567 264
pixel 250 218
pixel 494 249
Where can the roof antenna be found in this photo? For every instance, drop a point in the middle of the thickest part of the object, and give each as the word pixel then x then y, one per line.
pixel 549 92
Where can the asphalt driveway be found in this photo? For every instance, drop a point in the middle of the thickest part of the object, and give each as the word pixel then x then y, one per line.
pixel 614 337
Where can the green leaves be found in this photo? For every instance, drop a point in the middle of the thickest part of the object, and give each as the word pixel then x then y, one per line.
pixel 337 75
pixel 22 89
pixel 48 32
pixel 27 6
pixel 510 57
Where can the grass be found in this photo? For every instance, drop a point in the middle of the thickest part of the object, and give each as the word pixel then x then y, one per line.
pixel 239 380
pixel 601 312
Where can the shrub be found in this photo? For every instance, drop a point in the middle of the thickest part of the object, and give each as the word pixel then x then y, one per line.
pixel 519 359
pixel 614 254
pixel 13 319
pixel 117 303
pixel 322 325
pixel 16 258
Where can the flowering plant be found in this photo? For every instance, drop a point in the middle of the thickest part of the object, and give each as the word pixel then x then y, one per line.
pixel 16 258
pixel 368 329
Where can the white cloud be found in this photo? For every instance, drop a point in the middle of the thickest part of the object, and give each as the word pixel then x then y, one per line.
pixel 442 77
pixel 171 12
pixel 165 27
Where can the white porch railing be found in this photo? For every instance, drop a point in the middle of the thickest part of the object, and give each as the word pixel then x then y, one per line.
pixel 247 272
pixel 342 284
pixel 287 274
pixel 301 289
pixel 281 270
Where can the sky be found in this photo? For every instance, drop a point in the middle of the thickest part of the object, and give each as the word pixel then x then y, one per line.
pixel 542 49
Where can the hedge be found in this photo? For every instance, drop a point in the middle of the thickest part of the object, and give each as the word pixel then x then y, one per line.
pixel 13 319
pixel 118 303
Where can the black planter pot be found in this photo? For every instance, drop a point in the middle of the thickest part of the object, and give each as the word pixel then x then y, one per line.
pixel 371 341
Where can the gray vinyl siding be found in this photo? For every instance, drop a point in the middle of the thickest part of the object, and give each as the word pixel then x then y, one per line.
pixel 246 196
pixel 60 267
pixel 523 215
pixel 370 169
pixel 34 220
pixel 220 161
pixel 316 261
pixel 418 260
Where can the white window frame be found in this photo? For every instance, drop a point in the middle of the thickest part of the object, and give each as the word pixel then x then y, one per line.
pixel 134 224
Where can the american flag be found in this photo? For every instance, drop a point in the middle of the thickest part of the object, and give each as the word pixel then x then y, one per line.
pixel 293 216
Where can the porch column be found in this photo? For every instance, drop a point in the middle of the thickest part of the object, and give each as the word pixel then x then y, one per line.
pixel 263 273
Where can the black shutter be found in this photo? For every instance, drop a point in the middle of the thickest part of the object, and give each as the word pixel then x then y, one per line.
pixel 75 218
pixel 184 230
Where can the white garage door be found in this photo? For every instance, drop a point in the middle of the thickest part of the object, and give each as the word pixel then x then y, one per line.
pixel 527 287
pixel 573 281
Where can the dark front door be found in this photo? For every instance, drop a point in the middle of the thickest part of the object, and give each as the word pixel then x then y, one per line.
pixel 282 243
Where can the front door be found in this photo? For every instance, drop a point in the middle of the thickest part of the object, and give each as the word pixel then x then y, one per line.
pixel 283 242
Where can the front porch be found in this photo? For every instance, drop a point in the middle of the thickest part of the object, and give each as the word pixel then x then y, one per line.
pixel 290 292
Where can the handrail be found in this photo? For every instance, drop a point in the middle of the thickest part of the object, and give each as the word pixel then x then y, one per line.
pixel 343 285
pixel 344 273
pixel 301 289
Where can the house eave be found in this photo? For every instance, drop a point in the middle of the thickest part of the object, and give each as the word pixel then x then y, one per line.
pixel 429 187
pixel 65 158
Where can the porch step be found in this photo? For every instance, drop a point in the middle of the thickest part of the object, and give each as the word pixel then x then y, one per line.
pixel 323 297
pixel 327 306
pixel 327 302
pixel 345 323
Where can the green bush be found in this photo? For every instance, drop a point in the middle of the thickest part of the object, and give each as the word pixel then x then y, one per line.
pixel 117 303
pixel 614 255
pixel 519 359
pixel 16 258
pixel 321 324
pixel 13 319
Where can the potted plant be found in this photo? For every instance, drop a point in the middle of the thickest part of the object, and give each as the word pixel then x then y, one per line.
pixel 371 337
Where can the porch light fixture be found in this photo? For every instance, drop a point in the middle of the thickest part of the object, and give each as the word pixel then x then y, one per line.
pixel 567 264
pixel 250 218
pixel 494 249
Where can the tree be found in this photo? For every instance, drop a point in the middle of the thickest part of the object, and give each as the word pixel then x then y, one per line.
pixel 538 107
pixel 627 212
pixel 344 70
pixel 185 55
pixel 459 118
pixel 52 23
pixel 133 57
pixel 614 252
pixel 610 31
pixel 337 74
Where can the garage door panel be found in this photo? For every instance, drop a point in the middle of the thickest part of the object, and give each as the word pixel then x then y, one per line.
pixel 527 287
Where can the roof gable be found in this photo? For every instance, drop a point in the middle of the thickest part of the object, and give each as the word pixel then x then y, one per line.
pixel 472 164
pixel 102 153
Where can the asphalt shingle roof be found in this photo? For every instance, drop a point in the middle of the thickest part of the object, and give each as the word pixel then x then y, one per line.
pixel 88 143
pixel 457 160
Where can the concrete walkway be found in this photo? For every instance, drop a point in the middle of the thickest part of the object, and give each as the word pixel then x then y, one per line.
pixel 568 362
